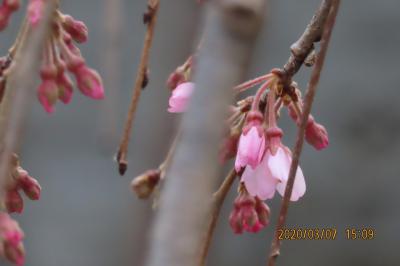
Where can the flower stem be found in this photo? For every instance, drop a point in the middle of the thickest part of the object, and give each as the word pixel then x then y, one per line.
pixel 251 83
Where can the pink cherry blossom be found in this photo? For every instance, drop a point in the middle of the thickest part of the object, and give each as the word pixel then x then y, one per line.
pixel 272 174
pixel 179 100
pixel 252 142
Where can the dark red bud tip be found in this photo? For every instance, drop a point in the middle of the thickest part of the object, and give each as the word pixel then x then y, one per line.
pixel 148 15
pixel 122 167
pixel 146 78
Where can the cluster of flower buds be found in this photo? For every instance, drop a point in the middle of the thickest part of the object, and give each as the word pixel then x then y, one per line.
pixel 6 9
pixel 181 87
pixel 143 186
pixel 19 180
pixel 61 54
pixel 249 213
pixel 11 236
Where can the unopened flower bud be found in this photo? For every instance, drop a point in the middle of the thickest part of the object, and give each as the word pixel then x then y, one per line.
pixel 31 187
pixel 11 237
pixel 77 29
pixel 316 134
pixel 145 184
pixel 249 214
pixel 13 201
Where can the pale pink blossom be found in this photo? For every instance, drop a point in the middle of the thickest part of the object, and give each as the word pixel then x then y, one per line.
pixel 11 237
pixel 251 145
pixel 179 100
pixel 272 174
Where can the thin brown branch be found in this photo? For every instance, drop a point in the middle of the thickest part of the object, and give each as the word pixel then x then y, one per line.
pixel 218 200
pixel 149 18
pixel 231 27
pixel 305 44
pixel 18 91
pixel 309 98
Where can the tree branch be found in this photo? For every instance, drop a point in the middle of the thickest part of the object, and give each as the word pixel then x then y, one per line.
pixel 18 92
pixel 149 18
pixel 231 27
pixel 309 97
pixel 305 44
pixel 218 200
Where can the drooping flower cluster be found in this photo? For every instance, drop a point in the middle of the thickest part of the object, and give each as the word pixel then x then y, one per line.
pixel 19 180
pixel 255 139
pixel 61 55
pixel 11 236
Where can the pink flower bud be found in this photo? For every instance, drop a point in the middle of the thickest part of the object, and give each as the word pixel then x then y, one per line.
pixel 89 82
pixel 65 85
pixel 13 5
pixel 144 185
pixel 316 134
pixel 5 14
pixel 77 29
pixel 13 201
pixel 48 90
pixel 179 100
pixel 31 187
pixel 11 237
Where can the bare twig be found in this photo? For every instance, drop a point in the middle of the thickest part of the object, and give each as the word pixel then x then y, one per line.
pixel 18 91
pixel 149 18
pixel 309 97
pixel 305 44
pixel 230 31
pixel 218 199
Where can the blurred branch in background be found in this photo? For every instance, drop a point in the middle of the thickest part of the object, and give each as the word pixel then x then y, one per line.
pixel 218 200
pixel 111 55
pixel 327 28
pixel 230 31
pixel 19 90
pixel 142 79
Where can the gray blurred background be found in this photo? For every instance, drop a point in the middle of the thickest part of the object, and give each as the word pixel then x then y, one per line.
pixel 87 215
